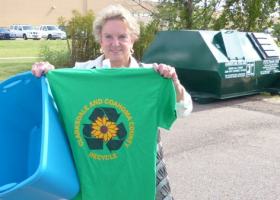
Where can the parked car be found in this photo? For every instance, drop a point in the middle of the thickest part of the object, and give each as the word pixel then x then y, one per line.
pixel 52 32
pixel 25 31
pixel 5 34
pixel 65 29
pixel 62 27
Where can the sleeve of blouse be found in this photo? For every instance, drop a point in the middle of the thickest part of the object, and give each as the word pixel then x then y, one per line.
pixel 185 107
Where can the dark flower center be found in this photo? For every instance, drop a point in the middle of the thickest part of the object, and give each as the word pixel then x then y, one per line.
pixel 104 129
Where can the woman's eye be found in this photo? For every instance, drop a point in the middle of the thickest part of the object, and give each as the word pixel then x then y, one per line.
pixel 123 37
pixel 108 36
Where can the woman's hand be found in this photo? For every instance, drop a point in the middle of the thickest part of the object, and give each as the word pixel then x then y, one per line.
pixel 170 72
pixel 166 71
pixel 41 68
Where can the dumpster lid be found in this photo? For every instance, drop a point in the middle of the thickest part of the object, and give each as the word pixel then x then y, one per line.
pixel 265 45
pixel 228 42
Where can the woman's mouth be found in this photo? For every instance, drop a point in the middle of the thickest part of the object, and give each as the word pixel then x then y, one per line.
pixel 115 51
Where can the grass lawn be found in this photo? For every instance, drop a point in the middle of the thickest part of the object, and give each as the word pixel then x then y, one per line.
pixel 10 68
pixel 18 55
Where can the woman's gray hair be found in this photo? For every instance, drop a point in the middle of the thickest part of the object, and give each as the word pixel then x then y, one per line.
pixel 115 12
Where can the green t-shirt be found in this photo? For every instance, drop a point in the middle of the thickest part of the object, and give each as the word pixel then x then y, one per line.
pixel 111 117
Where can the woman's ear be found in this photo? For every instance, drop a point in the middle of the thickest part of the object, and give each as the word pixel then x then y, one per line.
pixel 133 38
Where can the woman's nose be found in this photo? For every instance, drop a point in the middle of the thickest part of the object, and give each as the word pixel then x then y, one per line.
pixel 115 42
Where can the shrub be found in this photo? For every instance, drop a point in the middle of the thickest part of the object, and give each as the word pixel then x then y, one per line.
pixel 147 34
pixel 83 45
pixel 58 58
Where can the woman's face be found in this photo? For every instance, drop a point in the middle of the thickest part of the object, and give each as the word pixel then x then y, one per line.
pixel 116 42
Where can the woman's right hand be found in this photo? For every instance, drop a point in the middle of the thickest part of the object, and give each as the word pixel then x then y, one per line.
pixel 41 68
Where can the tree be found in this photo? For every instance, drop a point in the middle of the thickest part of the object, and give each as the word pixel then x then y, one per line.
pixel 188 14
pixel 205 12
pixel 242 15
pixel 246 15
pixel 276 31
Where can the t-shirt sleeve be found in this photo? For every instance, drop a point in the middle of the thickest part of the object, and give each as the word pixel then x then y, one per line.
pixel 167 104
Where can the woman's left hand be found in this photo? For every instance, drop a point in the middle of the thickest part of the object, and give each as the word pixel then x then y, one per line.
pixel 170 72
pixel 166 71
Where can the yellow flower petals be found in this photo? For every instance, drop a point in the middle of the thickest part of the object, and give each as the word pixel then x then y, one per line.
pixel 104 129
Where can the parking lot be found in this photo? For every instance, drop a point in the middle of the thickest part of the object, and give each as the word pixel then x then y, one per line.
pixel 227 150
pixel 26 31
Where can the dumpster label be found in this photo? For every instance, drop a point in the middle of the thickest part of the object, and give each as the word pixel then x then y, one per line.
pixel 270 67
pixel 239 69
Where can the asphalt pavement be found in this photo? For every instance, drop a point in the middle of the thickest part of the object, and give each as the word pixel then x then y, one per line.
pixel 226 150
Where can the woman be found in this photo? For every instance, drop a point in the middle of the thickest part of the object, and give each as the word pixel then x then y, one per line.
pixel 116 31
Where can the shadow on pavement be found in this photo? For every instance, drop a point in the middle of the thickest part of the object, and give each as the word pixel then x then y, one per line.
pixel 260 102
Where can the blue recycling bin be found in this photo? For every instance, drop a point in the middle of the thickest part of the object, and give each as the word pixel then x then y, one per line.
pixel 35 159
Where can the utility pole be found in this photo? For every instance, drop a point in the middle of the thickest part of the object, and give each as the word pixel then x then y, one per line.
pixel 85 6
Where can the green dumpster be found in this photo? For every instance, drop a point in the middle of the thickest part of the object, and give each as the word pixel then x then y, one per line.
pixel 219 64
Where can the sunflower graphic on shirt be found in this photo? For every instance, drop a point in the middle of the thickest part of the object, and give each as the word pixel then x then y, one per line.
pixel 103 128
